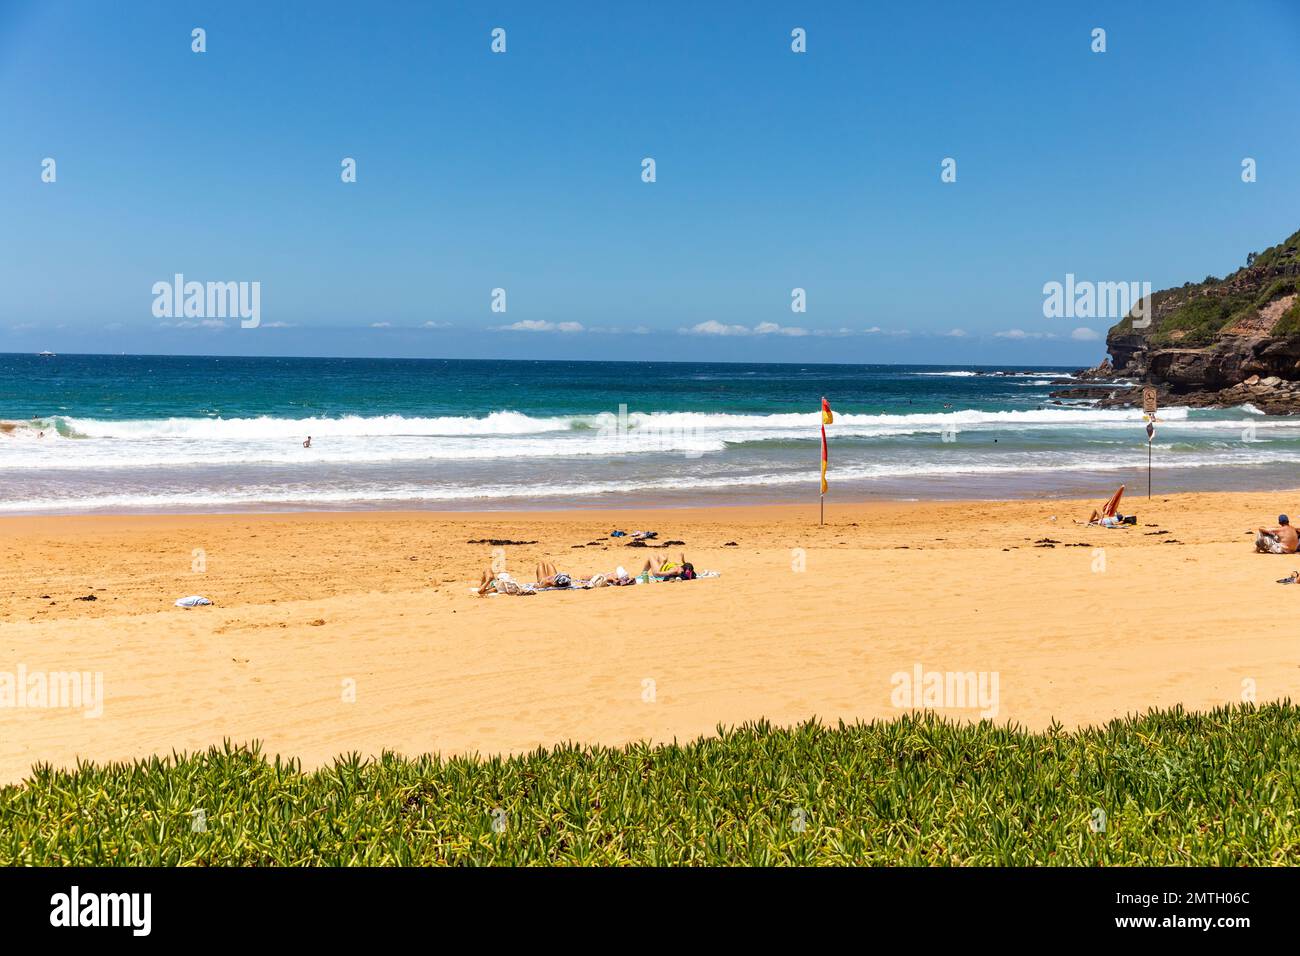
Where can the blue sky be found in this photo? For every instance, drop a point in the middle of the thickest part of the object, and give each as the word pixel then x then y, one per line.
pixel 522 171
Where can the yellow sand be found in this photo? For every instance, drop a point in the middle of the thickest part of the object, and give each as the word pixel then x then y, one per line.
pixel 307 604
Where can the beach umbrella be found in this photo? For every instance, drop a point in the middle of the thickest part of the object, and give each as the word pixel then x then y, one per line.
pixel 1112 504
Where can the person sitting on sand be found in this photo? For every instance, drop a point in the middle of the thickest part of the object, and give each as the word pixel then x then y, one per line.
pixel 1280 540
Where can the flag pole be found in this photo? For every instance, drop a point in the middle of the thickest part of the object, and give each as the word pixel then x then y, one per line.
pixel 826 420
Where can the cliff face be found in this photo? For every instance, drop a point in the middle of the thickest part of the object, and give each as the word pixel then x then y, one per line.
pixel 1213 335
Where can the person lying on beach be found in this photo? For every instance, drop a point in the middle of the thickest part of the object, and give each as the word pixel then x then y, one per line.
pixel 499 582
pixel 669 571
pixel 1280 540
pixel 1109 516
pixel 619 578
pixel 1111 521
pixel 549 577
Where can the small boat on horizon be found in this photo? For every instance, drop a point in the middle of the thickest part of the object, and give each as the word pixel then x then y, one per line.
pixel 45 355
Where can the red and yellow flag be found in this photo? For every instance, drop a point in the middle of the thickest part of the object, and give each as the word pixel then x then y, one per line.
pixel 827 418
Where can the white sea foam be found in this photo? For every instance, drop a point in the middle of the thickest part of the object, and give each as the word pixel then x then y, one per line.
pixel 517 423
pixel 289 429
pixel 356 440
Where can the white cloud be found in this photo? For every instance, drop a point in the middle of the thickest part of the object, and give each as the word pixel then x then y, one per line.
pixel 773 328
pixel 955 334
pixel 713 327
pixel 278 325
pixel 187 324
pixel 1022 334
pixel 537 325
pixel 1085 335
pixel 381 325
pixel 716 328
pixel 435 325
pixel 617 330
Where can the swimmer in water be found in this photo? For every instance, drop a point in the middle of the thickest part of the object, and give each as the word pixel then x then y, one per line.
pixel 307 443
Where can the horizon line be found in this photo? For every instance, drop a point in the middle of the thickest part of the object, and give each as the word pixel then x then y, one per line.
pixel 393 358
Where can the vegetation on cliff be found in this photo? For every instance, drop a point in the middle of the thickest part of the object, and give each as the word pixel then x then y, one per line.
pixel 1262 298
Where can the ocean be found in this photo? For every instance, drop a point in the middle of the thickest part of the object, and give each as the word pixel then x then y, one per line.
pixel 209 434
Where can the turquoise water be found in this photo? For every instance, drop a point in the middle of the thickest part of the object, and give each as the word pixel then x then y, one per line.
pixel 149 433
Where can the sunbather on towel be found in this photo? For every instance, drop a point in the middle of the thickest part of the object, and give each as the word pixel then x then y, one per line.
pixel 549 577
pixel 1111 521
pixel 1109 516
pixel 499 582
pixel 669 570
pixel 619 578
pixel 1280 540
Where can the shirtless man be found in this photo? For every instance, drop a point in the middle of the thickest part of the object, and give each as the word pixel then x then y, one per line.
pixel 1280 540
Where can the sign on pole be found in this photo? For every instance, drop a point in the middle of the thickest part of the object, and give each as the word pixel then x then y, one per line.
pixel 1149 401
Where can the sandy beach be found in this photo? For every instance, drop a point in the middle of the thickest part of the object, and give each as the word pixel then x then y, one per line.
pixel 333 633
